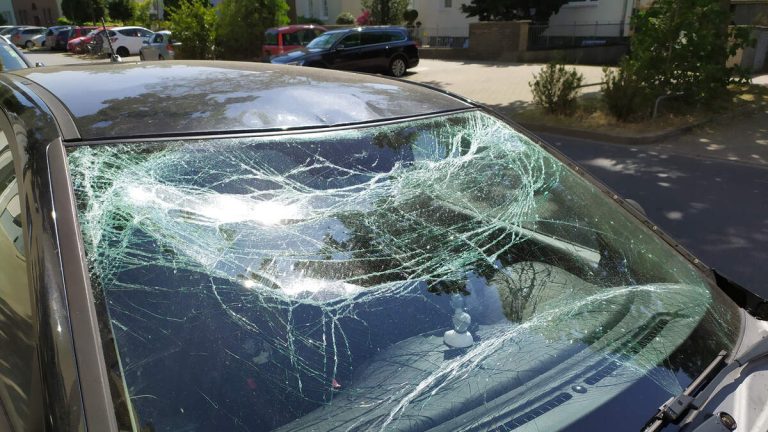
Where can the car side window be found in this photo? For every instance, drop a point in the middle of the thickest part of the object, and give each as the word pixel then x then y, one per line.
pixel 291 39
pixel 158 38
pixel 372 38
pixel 350 41
pixel 394 36
pixel 144 33
pixel 17 356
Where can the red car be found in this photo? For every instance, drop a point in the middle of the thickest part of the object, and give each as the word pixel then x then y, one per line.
pixel 280 40
pixel 63 38
pixel 78 45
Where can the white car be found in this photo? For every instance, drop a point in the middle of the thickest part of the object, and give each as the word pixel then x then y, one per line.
pixel 127 40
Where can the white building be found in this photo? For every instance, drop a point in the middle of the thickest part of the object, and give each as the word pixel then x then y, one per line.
pixel 594 18
pixel 327 10
pixel 442 18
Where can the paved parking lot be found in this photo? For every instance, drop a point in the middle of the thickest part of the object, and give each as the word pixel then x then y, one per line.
pixel 501 85
pixel 56 58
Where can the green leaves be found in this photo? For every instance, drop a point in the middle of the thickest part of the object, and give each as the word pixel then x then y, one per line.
pixel 242 24
pixel 194 25
pixel 555 89
pixel 508 10
pixel 386 11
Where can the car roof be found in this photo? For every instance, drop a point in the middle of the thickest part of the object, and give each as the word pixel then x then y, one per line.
pixel 367 29
pixel 295 27
pixel 131 100
pixel 127 27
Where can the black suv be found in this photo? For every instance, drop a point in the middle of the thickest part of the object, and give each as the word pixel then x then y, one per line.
pixel 365 49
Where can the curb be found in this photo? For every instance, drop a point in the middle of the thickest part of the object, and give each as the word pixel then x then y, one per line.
pixel 642 139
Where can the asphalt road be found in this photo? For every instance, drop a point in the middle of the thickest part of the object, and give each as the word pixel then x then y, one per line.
pixel 716 209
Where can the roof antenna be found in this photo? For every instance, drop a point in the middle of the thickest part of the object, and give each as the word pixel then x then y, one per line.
pixel 114 58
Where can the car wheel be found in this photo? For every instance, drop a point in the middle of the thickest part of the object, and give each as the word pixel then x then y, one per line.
pixel 141 55
pixel 397 67
pixel 160 57
pixel 29 44
pixel 122 52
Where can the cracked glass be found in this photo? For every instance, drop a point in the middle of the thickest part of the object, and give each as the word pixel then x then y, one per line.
pixel 435 274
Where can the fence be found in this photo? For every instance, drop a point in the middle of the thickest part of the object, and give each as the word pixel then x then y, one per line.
pixel 543 36
pixel 442 37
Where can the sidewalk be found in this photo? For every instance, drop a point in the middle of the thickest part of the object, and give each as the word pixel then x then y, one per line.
pixel 741 138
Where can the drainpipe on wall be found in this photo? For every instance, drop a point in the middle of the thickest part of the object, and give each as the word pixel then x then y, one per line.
pixel 624 17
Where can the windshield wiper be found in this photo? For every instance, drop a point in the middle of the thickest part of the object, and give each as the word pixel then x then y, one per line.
pixel 677 406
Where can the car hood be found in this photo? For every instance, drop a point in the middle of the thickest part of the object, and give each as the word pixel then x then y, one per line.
pixel 298 55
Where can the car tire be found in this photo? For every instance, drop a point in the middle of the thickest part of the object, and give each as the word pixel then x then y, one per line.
pixel 397 66
pixel 141 56
pixel 122 52
pixel 160 57
pixel 29 44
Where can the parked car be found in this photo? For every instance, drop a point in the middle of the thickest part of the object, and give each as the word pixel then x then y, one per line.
pixel 365 49
pixel 63 37
pixel 11 57
pixel 278 41
pixel 277 248
pixel 159 46
pixel 79 45
pixel 52 34
pixel 23 36
pixel 126 41
pixel 9 30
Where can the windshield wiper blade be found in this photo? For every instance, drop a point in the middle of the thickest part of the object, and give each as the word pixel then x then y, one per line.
pixel 674 409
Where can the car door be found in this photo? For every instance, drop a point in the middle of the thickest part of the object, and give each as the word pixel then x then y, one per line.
pixel 346 54
pixel 153 49
pixel 374 51
pixel 18 406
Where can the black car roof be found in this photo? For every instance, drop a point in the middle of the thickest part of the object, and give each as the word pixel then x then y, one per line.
pixel 184 97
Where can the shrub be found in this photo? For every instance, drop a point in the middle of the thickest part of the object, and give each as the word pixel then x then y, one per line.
pixel 345 18
pixel 624 96
pixel 63 21
pixel 555 88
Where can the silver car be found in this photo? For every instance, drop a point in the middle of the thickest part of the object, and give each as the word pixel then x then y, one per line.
pixel 23 37
pixel 159 46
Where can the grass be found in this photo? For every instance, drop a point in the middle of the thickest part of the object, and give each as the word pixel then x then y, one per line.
pixel 592 114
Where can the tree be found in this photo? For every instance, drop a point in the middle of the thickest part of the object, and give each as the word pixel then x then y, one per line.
pixel 120 10
pixel 242 24
pixel 681 48
pixel 385 12
pixel 140 13
pixel 345 18
pixel 194 25
pixel 81 11
pixel 509 10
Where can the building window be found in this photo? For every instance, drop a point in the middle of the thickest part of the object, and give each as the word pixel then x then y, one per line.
pixel 448 3
pixel 34 6
pixel 325 8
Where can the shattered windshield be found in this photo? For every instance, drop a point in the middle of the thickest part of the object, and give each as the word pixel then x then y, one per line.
pixel 442 274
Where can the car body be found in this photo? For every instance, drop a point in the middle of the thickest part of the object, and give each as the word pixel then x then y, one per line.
pixel 282 248
pixel 63 37
pixel 23 37
pixel 126 41
pixel 11 57
pixel 51 36
pixel 36 42
pixel 279 40
pixel 160 46
pixel 366 49
pixel 79 45
pixel 8 30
